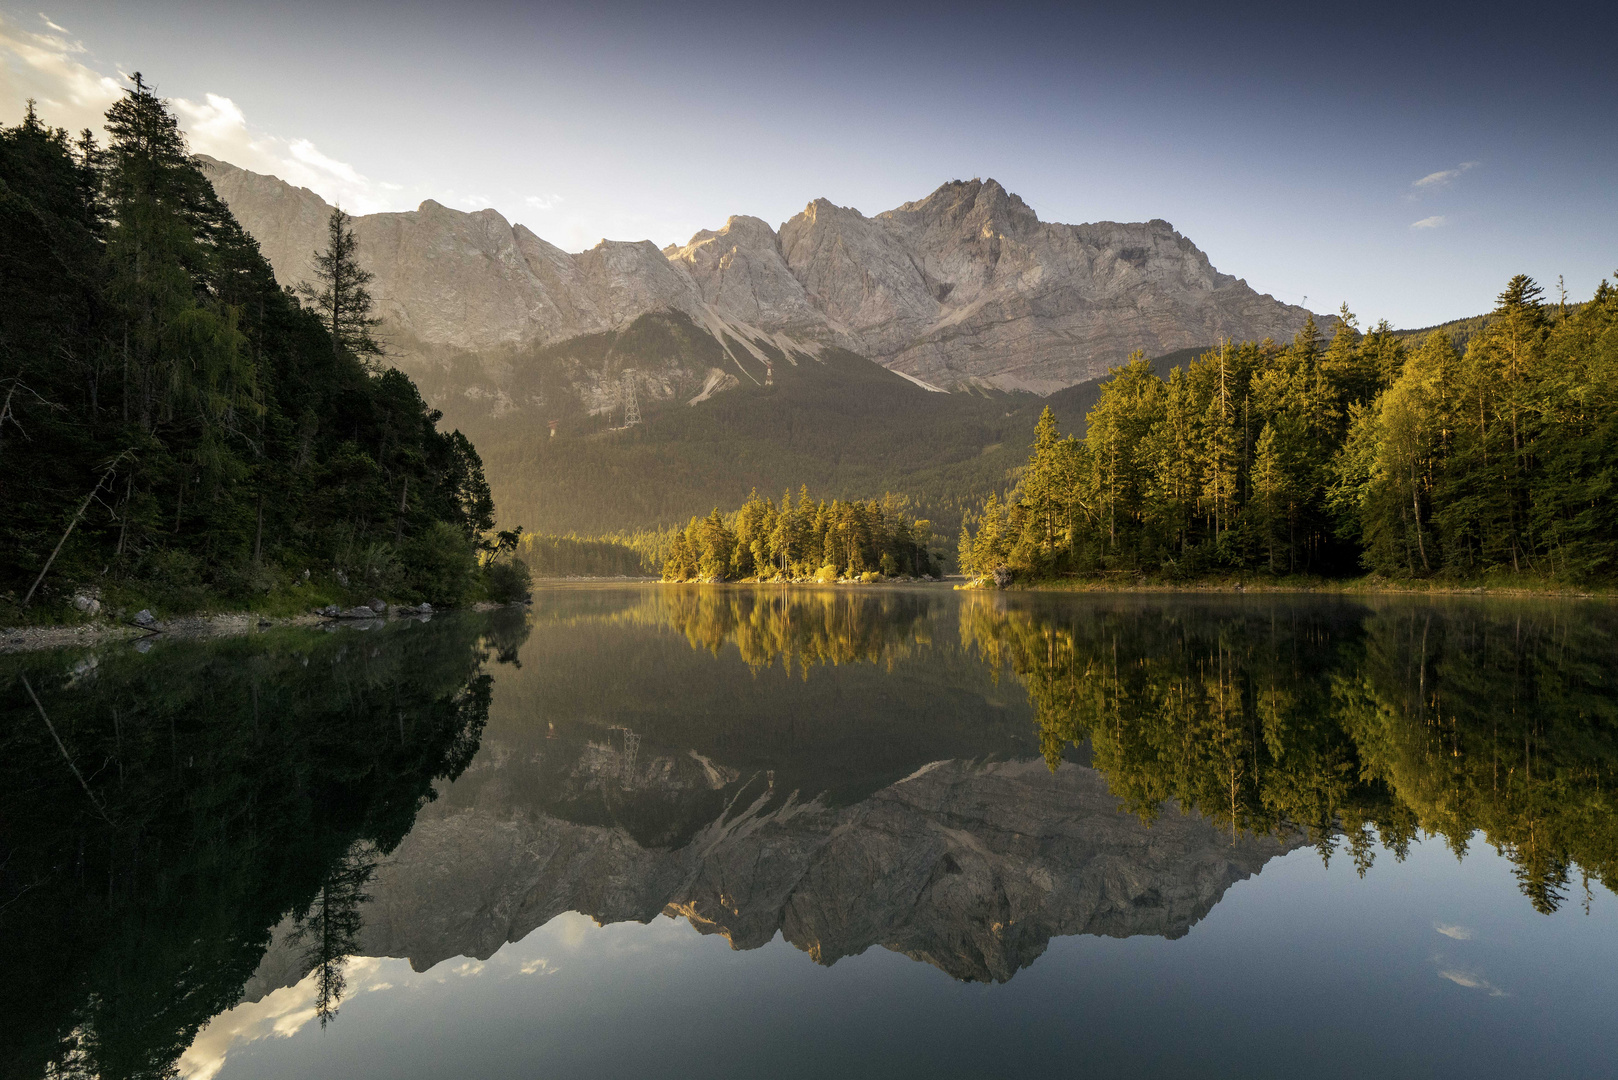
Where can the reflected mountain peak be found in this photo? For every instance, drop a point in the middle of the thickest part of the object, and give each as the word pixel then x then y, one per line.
pixel 956 778
pixel 969 866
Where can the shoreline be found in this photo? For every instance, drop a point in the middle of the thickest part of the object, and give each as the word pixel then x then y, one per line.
pixel 1320 586
pixel 24 639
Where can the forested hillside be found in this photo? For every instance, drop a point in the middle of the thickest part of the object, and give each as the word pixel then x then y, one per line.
pixel 175 428
pixel 841 424
pixel 1330 458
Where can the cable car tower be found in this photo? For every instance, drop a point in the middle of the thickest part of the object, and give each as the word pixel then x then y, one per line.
pixel 631 404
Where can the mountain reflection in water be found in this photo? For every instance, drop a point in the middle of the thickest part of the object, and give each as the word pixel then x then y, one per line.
pixel 956 777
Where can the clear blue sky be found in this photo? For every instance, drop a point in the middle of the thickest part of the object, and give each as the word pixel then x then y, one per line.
pixel 1289 144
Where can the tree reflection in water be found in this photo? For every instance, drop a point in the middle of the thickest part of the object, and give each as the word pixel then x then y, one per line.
pixel 161 814
pixel 226 785
pixel 1350 723
pixel 1337 719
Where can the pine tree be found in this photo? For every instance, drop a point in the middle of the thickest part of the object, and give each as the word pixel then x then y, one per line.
pixel 339 292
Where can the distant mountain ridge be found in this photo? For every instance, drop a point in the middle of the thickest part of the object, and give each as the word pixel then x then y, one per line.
pixel 966 287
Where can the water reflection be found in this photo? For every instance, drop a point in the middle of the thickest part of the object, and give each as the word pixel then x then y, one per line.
pixel 163 810
pixel 1340 721
pixel 960 778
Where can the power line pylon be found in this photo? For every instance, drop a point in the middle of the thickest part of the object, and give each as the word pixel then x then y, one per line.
pixel 631 404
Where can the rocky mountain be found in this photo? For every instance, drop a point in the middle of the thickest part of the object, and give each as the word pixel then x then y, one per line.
pixel 966 287
pixel 968 866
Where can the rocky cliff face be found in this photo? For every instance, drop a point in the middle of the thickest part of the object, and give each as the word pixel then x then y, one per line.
pixel 964 287
pixel 971 868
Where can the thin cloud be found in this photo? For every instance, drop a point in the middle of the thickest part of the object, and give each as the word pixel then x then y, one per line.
pixel 48 67
pixel 1434 222
pixel 70 95
pixel 1443 178
pixel 280 1014
pixel 1459 933
pixel 1471 982
pixel 216 126
pixel 543 202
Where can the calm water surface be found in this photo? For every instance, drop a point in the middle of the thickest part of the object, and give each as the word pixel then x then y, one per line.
pixel 707 831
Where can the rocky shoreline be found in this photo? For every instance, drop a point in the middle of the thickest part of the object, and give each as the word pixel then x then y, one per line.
pixel 20 639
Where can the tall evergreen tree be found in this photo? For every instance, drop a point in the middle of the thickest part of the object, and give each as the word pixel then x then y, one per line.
pixel 340 291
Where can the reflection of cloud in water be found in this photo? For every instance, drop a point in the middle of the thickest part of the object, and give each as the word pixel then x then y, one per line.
pixel 282 1013
pixel 1471 982
pixel 1459 933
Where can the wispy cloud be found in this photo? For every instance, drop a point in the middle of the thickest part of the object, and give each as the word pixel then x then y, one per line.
pixel 280 1014
pixel 51 67
pixel 1471 982
pixel 542 202
pixel 216 126
pixel 1459 933
pixel 1434 222
pixel 1443 178
pixel 46 67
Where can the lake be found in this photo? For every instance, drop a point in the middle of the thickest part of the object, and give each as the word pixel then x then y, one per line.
pixel 645 830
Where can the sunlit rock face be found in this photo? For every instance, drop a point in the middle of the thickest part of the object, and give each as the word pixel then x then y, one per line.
pixel 465 280
pixel 965 287
pixel 969 285
pixel 971 868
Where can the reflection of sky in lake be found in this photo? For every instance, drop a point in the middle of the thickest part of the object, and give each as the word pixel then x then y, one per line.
pixel 1429 967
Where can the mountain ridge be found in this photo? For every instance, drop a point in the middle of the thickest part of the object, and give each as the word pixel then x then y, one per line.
pixel 965 287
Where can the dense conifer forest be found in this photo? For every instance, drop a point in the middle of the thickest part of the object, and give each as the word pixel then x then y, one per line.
pixel 179 431
pixel 840 540
pixel 1361 453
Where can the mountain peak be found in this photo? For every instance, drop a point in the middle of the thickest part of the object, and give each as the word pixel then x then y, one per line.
pixel 963 287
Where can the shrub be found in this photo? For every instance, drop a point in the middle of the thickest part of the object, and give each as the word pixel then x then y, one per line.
pixel 507 580
pixel 440 564
pixel 826 573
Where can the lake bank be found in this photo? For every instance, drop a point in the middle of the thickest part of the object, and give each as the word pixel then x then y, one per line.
pixel 21 639
pixel 1369 585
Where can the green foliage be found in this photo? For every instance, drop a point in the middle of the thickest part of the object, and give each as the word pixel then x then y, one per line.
pixel 171 421
pixel 440 564
pixel 841 424
pixel 507 580
pixel 339 294
pixel 767 541
pixel 624 555
pixel 1332 720
pixel 1283 460
pixel 235 784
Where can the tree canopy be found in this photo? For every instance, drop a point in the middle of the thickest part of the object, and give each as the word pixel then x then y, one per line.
pixel 175 425
pixel 1360 454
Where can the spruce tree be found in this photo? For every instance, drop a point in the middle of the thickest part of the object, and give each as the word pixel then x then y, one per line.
pixel 339 292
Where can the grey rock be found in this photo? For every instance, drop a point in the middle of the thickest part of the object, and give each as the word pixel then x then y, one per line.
pixel 380 607
pixel 89 605
pixel 361 612
pixel 144 618
pixel 966 287
pixel 971 868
